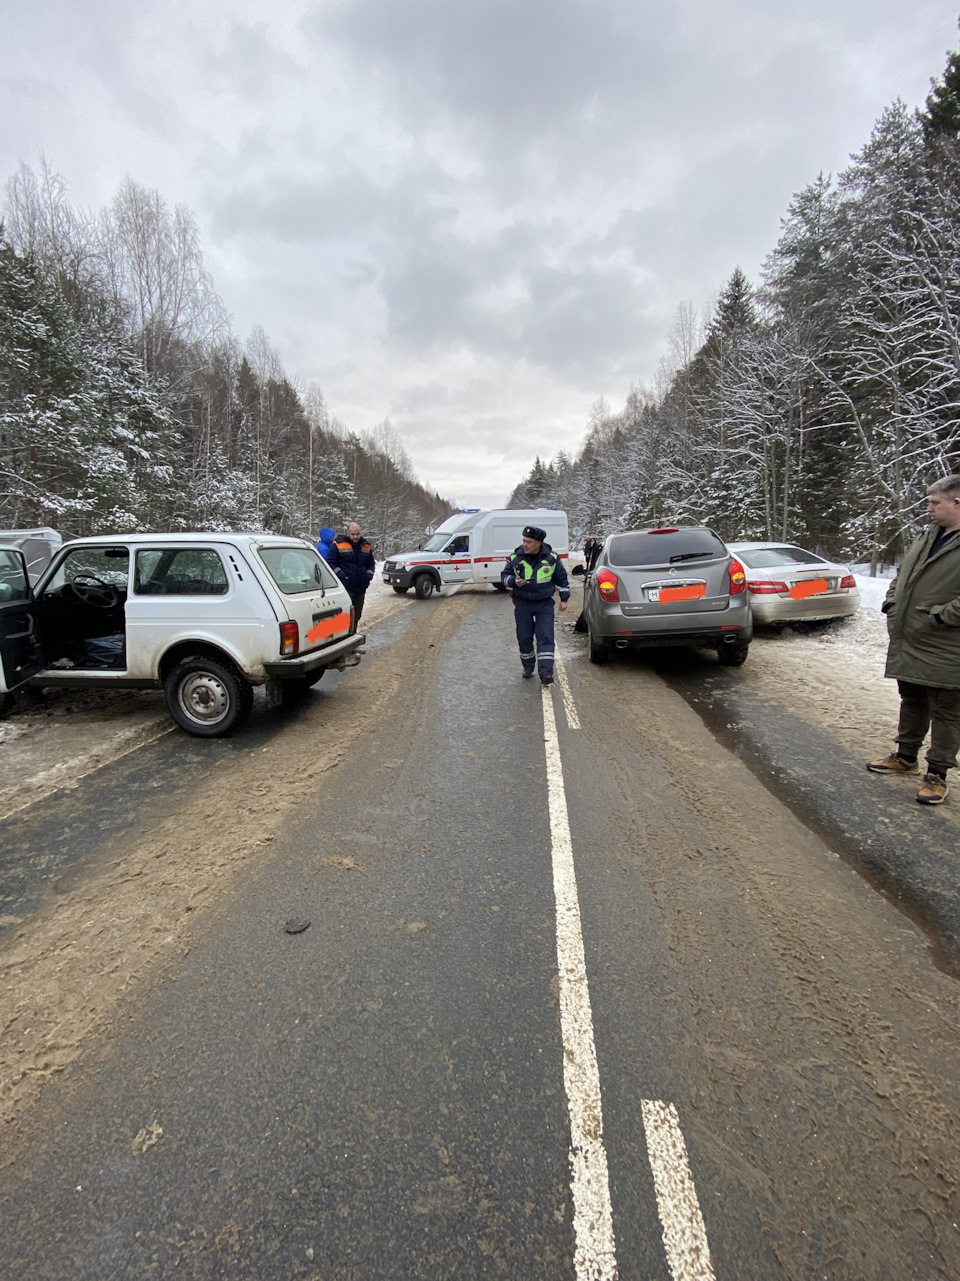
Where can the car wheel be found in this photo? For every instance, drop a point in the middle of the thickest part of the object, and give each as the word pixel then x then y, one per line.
pixel 6 702
pixel 597 650
pixel 423 586
pixel 733 655
pixel 401 591
pixel 207 698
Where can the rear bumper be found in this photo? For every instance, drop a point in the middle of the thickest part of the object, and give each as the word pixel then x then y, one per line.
pixel 610 625
pixel 291 668
pixel 702 638
pixel 779 609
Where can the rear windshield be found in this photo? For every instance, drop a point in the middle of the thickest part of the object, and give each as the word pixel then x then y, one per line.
pixel 297 569
pixel 673 548
pixel 773 557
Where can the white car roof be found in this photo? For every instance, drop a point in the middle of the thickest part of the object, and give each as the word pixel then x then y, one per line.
pixel 198 536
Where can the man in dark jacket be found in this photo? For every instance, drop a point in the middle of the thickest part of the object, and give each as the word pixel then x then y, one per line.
pixel 923 621
pixel 533 573
pixel 351 559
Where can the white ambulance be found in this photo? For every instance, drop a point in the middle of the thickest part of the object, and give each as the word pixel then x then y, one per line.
pixel 472 547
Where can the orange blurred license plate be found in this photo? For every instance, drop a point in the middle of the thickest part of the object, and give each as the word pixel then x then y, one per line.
pixel 693 592
pixel 812 587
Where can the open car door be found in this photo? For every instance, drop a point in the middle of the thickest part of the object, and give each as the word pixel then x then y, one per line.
pixel 19 649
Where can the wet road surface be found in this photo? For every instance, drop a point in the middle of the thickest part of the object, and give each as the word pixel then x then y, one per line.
pixel 383 1094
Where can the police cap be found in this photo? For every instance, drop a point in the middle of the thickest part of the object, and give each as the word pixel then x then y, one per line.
pixel 535 532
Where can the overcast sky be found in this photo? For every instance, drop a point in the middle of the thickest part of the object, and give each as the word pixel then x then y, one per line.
pixel 471 217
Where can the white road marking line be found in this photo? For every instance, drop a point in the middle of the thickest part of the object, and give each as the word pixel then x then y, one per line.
pixel 595 1258
pixel 570 711
pixel 684 1234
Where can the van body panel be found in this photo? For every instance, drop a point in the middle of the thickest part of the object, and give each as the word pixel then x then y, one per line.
pixel 473 547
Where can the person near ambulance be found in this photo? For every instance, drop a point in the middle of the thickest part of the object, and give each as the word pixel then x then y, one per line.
pixel 532 575
pixel 325 541
pixel 351 559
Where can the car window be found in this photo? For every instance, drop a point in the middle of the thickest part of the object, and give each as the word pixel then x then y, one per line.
pixel 106 564
pixel 773 557
pixel 179 571
pixel 297 569
pixel 13 580
pixel 673 547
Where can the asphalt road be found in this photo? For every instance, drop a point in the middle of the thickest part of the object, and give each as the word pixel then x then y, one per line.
pixel 905 851
pixel 383 1094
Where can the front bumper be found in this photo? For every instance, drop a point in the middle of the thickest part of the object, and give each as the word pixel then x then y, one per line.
pixel 291 668
pixel 398 577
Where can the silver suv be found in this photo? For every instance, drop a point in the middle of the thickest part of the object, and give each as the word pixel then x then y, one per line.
pixel 669 586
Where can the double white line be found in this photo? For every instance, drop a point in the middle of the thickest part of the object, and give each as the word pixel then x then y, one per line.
pixel 684 1236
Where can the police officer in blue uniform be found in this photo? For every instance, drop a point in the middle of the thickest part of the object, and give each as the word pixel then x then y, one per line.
pixel 532 574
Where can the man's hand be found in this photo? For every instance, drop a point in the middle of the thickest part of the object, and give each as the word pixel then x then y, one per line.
pixel 563 605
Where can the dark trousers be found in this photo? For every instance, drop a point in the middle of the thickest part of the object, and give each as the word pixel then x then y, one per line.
pixel 356 599
pixel 924 707
pixel 534 621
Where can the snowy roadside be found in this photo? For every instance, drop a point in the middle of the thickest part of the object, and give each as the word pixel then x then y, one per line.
pixel 833 678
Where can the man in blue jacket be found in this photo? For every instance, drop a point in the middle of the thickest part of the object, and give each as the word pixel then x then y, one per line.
pixel 533 573
pixel 351 559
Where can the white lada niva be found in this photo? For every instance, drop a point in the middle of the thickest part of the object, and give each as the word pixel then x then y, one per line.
pixel 205 617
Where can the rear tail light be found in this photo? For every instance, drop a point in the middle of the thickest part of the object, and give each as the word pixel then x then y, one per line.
pixel 848 580
pixel 738 579
pixel 667 529
pixel 767 589
pixel 289 639
pixel 608 585
pixel 353 620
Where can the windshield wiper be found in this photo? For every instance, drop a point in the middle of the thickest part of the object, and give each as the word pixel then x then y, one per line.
pixel 690 556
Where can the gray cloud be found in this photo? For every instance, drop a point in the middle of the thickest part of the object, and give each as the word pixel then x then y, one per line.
pixel 477 217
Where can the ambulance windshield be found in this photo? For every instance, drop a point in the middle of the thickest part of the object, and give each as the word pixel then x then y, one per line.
pixel 436 543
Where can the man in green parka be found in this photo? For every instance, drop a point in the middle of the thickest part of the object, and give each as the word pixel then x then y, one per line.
pixel 923 656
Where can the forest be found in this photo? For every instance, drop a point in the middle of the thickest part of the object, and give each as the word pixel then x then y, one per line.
pixel 127 403
pixel 818 403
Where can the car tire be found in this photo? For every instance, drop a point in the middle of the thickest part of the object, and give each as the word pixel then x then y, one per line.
pixel 6 702
pixel 207 698
pixel 733 655
pixel 423 586
pixel 401 591
pixel 598 652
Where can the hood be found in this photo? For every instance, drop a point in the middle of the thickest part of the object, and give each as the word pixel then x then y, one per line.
pixel 327 534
